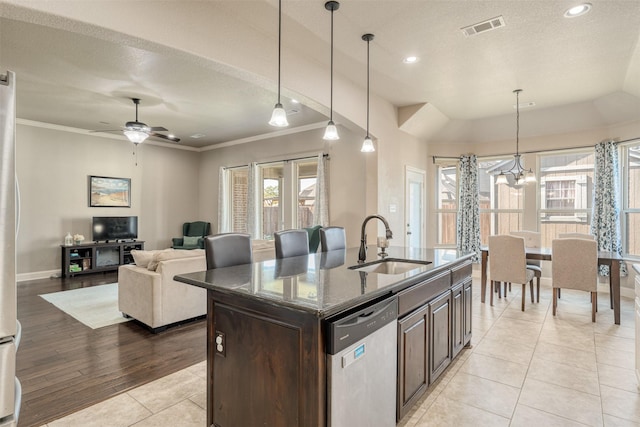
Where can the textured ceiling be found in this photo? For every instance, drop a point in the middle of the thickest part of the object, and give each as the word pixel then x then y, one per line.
pixel 582 73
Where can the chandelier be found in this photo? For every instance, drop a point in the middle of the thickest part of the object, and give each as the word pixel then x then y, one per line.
pixel 520 175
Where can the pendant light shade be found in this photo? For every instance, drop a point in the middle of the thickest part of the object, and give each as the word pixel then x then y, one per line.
pixel 521 176
pixel 367 145
pixel 279 115
pixel 331 132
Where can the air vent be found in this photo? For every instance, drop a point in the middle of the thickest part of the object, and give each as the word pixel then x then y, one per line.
pixel 292 112
pixel 484 26
pixel 198 135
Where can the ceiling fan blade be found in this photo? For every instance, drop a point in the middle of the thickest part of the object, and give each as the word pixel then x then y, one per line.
pixel 105 130
pixel 158 129
pixel 167 137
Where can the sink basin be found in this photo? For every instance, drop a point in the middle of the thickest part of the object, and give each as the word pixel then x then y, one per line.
pixel 390 266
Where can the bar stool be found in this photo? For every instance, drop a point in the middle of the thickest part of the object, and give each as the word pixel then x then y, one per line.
pixel 332 238
pixel 291 243
pixel 227 249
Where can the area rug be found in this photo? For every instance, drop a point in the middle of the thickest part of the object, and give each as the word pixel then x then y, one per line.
pixel 96 306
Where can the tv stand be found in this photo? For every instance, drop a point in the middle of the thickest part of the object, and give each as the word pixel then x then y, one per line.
pixel 97 257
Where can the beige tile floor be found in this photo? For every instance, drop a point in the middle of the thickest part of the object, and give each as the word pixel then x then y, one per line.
pixel 522 369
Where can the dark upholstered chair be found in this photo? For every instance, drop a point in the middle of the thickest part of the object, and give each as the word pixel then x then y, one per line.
pixel 193 234
pixel 332 238
pixel 314 238
pixel 291 243
pixel 227 249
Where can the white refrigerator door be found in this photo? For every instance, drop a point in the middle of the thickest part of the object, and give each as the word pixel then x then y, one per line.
pixel 7 378
pixel 8 304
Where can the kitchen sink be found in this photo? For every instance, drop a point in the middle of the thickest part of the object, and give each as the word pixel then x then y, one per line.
pixel 390 266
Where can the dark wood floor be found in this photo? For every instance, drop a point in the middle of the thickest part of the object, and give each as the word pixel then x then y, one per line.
pixel 65 366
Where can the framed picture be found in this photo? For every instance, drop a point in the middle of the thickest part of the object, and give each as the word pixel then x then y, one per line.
pixel 109 192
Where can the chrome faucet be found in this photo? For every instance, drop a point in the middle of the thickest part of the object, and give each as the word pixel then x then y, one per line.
pixel 362 254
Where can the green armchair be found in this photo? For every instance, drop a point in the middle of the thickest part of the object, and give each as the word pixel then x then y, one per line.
pixel 193 234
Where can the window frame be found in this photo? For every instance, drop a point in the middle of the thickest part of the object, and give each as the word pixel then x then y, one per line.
pixel 624 188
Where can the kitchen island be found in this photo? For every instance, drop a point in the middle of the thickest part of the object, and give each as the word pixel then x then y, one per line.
pixel 267 327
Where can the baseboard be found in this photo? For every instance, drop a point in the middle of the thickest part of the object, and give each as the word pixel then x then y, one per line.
pixel 47 274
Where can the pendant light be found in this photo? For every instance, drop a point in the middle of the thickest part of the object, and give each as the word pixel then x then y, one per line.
pixel 367 145
pixel 520 175
pixel 331 132
pixel 279 116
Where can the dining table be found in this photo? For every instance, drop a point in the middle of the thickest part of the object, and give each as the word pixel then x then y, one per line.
pixel 611 259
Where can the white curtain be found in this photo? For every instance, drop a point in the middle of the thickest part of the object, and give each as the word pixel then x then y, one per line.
pixel 253 216
pixel 605 222
pixel 224 225
pixel 468 227
pixel 321 216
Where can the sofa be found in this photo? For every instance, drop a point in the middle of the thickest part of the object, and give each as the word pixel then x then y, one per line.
pixel 148 293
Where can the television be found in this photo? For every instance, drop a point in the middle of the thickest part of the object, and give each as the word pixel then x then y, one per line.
pixel 106 228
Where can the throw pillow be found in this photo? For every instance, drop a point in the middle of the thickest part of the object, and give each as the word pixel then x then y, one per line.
pixel 190 240
pixel 142 258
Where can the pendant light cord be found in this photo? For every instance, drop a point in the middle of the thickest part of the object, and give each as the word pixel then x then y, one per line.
pixel 368 40
pixel 279 43
pixel 517 121
pixel 331 89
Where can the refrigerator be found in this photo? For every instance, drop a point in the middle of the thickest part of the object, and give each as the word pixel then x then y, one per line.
pixel 10 392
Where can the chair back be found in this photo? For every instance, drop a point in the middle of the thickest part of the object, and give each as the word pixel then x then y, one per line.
pixel 507 260
pixel 197 228
pixel 574 264
pixel 314 238
pixel 228 249
pixel 332 238
pixel 576 236
pixel 532 239
pixel 291 243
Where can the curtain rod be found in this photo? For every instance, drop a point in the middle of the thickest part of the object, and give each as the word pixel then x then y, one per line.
pixel 535 151
pixel 276 161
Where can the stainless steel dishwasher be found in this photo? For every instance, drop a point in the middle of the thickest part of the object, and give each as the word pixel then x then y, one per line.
pixel 361 366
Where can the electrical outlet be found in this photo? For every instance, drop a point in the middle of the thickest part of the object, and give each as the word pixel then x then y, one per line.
pixel 221 344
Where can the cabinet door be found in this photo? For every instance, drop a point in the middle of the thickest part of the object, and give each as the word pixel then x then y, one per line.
pixel 413 353
pixel 439 335
pixel 457 319
pixel 468 302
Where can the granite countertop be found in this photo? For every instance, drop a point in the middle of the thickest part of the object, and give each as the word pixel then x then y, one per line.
pixel 321 283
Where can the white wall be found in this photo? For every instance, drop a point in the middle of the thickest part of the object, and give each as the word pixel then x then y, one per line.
pixel 53 167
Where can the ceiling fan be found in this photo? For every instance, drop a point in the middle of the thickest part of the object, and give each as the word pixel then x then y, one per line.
pixel 137 131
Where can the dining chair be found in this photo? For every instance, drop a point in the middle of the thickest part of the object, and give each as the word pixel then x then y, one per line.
pixel 507 263
pixel 227 249
pixel 532 239
pixel 291 243
pixel 332 238
pixel 576 236
pixel 575 266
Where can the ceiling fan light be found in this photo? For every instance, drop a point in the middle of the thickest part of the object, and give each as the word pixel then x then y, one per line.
pixel 331 132
pixel 367 145
pixel 279 117
pixel 501 179
pixel 135 136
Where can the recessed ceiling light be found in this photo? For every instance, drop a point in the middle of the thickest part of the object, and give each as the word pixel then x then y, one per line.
pixel 578 10
pixel 295 101
pixel 410 59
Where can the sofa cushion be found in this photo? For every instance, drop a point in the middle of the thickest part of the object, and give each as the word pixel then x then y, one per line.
pixel 190 240
pixel 168 254
pixel 142 258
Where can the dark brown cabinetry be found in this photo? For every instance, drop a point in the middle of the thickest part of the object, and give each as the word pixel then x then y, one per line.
pixel 434 325
pixel 440 332
pixel 413 359
pixel 96 257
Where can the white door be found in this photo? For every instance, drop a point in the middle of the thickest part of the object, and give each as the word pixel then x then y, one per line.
pixel 415 207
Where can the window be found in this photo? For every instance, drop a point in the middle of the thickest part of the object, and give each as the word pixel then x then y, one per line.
pixel 239 182
pixel 447 202
pixel 566 191
pixel 631 199
pixel 501 206
pixel 285 196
